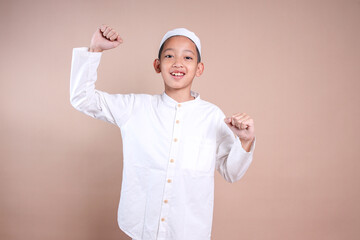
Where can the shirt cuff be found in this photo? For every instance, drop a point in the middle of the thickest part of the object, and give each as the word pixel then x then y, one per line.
pixel 84 51
pixel 252 147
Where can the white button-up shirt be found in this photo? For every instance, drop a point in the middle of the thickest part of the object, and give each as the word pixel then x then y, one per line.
pixel 171 151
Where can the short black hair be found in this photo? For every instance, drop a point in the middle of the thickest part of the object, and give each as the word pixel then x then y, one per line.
pixel 197 50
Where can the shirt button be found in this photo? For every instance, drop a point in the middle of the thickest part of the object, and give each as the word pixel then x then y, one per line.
pixel 175 139
pixel 163 219
pixel 171 160
pixel 177 121
pixel 169 180
pixel 165 201
pixel 179 105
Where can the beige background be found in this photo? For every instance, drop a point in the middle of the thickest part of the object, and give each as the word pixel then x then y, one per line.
pixel 293 66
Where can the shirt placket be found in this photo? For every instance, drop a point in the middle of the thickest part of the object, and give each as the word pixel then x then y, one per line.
pixel 168 189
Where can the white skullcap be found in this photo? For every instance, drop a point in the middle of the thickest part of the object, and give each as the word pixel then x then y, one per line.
pixel 182 32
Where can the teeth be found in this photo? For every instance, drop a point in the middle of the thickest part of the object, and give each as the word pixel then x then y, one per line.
pixel 177 74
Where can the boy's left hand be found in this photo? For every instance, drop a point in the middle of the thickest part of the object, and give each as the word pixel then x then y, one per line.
pixel 243 126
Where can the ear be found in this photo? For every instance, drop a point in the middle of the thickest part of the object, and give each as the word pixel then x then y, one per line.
pixel 157 65
pixel 200 69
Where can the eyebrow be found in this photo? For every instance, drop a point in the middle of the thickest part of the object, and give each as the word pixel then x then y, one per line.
pixel 168 49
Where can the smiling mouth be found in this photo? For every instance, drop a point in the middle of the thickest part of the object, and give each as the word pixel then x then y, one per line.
pixel 177 74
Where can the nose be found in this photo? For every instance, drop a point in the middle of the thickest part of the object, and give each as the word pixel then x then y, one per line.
pixel 177 62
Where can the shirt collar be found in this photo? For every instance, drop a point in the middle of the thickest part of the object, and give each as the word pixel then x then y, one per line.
pixel 173 103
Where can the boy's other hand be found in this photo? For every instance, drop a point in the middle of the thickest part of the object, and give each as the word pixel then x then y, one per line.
pixel 104 38
pixel 243 126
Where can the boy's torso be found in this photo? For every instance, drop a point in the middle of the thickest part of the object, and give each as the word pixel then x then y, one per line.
pixel 169 155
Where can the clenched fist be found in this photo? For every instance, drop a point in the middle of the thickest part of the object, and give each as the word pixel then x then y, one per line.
pixel 243 126
pixel 104 38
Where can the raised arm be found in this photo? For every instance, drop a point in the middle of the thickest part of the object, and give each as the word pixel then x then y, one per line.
pixel 113 108
pixel 233 155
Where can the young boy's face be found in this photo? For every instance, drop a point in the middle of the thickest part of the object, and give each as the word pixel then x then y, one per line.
pixel 178 63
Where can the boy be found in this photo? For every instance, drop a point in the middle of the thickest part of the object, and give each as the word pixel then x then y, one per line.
pixel 172 142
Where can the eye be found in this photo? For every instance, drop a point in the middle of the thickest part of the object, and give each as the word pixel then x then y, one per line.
pixel 188 58
pixel 168 56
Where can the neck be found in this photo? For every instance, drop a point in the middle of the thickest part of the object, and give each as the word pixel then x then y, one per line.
pixel 182 95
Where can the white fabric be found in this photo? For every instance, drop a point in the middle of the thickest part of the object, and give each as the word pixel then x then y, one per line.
pixel 183 32
pixel 149 124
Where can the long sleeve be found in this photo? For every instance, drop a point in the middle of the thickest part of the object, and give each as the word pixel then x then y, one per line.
pixel 113 108
pixel 232 161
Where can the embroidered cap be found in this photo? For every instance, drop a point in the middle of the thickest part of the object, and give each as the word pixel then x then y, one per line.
pixel 182 32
